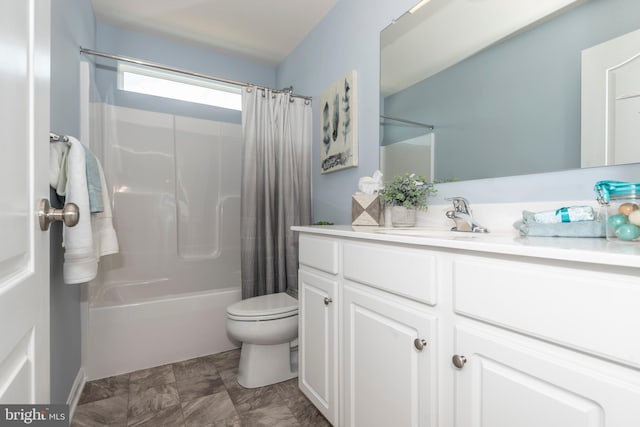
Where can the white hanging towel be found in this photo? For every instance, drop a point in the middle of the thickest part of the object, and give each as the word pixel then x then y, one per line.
pixel 94 235
pixel 105 239
pixel 58 152
pixel 80 260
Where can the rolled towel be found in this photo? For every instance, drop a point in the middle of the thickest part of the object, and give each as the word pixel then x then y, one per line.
pixel 566 229
pixel 568 214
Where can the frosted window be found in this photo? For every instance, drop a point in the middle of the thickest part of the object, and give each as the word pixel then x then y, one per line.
pixel 178 86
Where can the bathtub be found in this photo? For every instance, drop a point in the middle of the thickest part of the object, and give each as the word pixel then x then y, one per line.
pixel 175 190
pixel 143 325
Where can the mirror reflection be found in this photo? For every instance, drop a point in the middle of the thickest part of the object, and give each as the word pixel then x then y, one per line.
pixel 504 95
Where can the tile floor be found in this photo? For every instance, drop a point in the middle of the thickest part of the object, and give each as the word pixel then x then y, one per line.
pixel 197 392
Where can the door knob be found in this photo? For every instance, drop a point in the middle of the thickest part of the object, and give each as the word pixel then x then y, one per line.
pixel 327 301
pixel 420 343
pixel 458 361
pixel 70 214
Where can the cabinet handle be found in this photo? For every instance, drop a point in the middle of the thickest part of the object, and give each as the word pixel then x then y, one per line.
pixel 327 300
pixel 458 361
pixel 420 343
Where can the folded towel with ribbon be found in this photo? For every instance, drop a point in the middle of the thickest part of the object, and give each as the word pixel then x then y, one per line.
pixel 574 221
pixel 562 229
pixel 567 214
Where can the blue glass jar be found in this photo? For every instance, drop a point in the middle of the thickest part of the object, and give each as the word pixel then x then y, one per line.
pixel 620 208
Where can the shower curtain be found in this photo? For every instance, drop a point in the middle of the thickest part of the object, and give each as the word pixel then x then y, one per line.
pixel 276 189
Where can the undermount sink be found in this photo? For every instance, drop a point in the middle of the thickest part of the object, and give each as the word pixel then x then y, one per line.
pixel 428 232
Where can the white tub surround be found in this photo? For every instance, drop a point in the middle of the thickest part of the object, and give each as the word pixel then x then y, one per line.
pixel 176 197
pixel 175 185
pixel 459 329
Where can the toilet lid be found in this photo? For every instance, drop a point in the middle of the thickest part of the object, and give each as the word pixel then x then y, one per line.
pixel 265 306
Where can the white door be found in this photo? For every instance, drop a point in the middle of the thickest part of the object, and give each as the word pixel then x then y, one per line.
pixel 390 376
pixel 510 380
pixel 24 250
pixel 611 102
pixel 318 342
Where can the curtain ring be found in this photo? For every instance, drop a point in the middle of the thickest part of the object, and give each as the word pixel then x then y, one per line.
pixel 291 99
pixel 273 96
pixel 307 102
pixel 249 90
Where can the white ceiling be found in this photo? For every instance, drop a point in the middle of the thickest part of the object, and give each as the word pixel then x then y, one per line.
pixel 258 30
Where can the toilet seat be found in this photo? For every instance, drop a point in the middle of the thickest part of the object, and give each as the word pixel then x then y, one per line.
pixel 264 307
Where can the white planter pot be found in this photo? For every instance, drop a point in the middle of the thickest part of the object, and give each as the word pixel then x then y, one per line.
pixel 403 217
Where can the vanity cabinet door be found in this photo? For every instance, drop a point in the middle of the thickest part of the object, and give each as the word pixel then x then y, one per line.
pixel 389 348
pixel 504 379
pixel 318 341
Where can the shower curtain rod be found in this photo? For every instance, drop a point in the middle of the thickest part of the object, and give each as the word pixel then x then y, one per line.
pixel 411 122
pixel 182 71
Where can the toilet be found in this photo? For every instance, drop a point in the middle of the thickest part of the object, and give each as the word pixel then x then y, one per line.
pixel 265 325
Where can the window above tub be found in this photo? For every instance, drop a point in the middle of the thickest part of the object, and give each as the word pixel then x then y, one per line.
pixel 167 84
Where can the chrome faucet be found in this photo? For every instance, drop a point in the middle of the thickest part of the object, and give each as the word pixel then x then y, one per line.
pixel 461 215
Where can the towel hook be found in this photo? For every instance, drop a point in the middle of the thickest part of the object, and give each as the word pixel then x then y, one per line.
pixel 54 137
pixel 70 214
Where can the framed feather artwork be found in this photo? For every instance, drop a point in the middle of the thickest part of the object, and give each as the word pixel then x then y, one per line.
pixel 338 125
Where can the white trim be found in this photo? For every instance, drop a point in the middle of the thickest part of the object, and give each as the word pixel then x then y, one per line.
pixel 76 392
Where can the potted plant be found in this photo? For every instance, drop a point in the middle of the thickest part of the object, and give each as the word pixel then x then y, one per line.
pixel 405 194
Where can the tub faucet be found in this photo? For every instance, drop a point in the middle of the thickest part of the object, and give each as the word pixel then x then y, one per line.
pixel 461 215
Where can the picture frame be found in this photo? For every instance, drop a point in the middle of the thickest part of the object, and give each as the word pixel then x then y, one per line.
pixel 339 125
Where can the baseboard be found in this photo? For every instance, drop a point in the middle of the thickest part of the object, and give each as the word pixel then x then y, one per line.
pixel 76 391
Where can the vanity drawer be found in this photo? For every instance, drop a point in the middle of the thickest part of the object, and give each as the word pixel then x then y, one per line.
pixel 403 271
pixel 593 311
pixel 319 252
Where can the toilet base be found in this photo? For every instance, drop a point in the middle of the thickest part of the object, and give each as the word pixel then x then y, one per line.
pixel 262 365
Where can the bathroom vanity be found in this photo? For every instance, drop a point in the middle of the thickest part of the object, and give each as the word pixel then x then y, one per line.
pixel 437 328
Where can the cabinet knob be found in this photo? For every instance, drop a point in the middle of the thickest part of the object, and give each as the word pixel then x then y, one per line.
pixel 420 343
pixel 327 300
pixel 458 361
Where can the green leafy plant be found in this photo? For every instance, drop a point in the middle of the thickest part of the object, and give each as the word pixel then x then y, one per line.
pixel 408 190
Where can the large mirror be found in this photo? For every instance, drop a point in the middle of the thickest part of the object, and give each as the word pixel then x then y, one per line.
pixel 499 80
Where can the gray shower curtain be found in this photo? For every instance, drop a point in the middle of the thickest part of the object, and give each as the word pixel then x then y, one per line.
pixel 276 189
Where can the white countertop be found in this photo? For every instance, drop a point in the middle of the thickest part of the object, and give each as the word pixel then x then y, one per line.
pixel 507 242
pixel 433 230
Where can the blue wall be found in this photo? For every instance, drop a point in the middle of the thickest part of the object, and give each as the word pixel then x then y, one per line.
pixel 519 98
pixel 72 25
pixel 155 49
pixel 348 38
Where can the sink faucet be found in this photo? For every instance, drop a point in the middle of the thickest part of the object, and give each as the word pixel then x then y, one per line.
pixel 461 215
